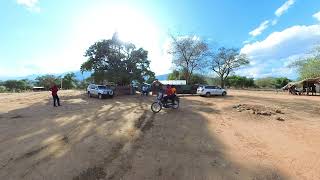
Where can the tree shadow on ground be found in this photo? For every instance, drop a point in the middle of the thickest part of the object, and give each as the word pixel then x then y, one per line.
pixel 118 138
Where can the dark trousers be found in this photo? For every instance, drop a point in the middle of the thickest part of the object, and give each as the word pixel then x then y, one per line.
pixel 56 99
pixel 171 97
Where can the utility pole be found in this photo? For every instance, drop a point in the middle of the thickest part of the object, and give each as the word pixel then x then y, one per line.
pixel 61 82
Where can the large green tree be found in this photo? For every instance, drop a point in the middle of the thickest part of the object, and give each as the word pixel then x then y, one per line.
pixel 69 81
pixel 225 61
pixel 116 61
pixel 309 67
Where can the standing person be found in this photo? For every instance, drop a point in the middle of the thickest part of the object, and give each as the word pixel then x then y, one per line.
pixel 144 90
pixel 314 89
pixel 156 87
pixel 54 91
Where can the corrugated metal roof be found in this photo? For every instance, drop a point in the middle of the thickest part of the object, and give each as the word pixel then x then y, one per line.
pixel 174 82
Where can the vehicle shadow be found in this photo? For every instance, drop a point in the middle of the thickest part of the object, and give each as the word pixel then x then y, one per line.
pixel 118 138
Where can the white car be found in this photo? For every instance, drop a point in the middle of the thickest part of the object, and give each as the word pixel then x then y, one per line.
pixel 211 91
pixel 99 91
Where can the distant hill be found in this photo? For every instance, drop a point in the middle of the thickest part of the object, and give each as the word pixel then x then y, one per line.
pixel 162 77
pixel 79 76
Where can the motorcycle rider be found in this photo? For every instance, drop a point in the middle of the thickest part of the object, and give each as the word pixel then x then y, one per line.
pixel 174 90
pixel 169 93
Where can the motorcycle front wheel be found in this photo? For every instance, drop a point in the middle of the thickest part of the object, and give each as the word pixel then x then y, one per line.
pixel 156 107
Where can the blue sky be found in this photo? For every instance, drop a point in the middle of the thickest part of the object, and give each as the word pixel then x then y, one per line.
pixel 45 36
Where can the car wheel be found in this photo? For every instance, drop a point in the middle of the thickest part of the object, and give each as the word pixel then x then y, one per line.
pixel 111 94
pixel 224 93
pixel 208 94
pixel 100 96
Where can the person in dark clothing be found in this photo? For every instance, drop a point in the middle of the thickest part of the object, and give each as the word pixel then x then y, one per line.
pixel 54 91
pixel 313 89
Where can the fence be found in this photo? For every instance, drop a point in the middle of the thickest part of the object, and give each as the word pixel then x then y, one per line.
pixel 124 90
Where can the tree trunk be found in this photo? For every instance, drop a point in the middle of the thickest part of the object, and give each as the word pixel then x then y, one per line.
pixel 222 82
pixel 187 76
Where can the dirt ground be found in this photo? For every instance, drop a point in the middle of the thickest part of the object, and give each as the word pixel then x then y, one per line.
pixel 245 135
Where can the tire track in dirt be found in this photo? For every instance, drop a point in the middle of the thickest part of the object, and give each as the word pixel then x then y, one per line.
pixel 61 141
pixel 126 158
pixel 59 144
pixel 144 123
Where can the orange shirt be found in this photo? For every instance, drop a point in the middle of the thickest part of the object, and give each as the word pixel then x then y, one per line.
pixel 174 90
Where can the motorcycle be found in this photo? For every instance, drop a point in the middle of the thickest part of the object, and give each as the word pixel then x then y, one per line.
pixel 162 103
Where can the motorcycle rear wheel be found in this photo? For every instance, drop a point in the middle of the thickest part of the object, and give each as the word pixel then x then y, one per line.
pixel 175 104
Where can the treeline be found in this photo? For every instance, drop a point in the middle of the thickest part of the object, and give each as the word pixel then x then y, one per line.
pixel 67 81
pixel 112 60
pixel 15 85
pixel 233 81
pixel 265 83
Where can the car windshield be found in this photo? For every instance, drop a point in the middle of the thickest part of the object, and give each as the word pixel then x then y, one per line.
pixel 102 87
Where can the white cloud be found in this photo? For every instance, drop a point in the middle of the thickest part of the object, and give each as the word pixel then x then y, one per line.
pixel 271 56
pixel 317 16
pixel 264 25
pixel 246 41
pixel 274 22
pixel 31 5
pixel 284 8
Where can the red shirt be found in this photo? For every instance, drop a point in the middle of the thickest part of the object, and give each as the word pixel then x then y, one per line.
pixel 169 91
pixel 54 89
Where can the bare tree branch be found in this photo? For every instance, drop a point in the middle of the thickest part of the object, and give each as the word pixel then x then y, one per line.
pixel 224 61
pixel 188 53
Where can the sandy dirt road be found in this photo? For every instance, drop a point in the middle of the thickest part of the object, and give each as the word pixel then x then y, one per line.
pixel 120 138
